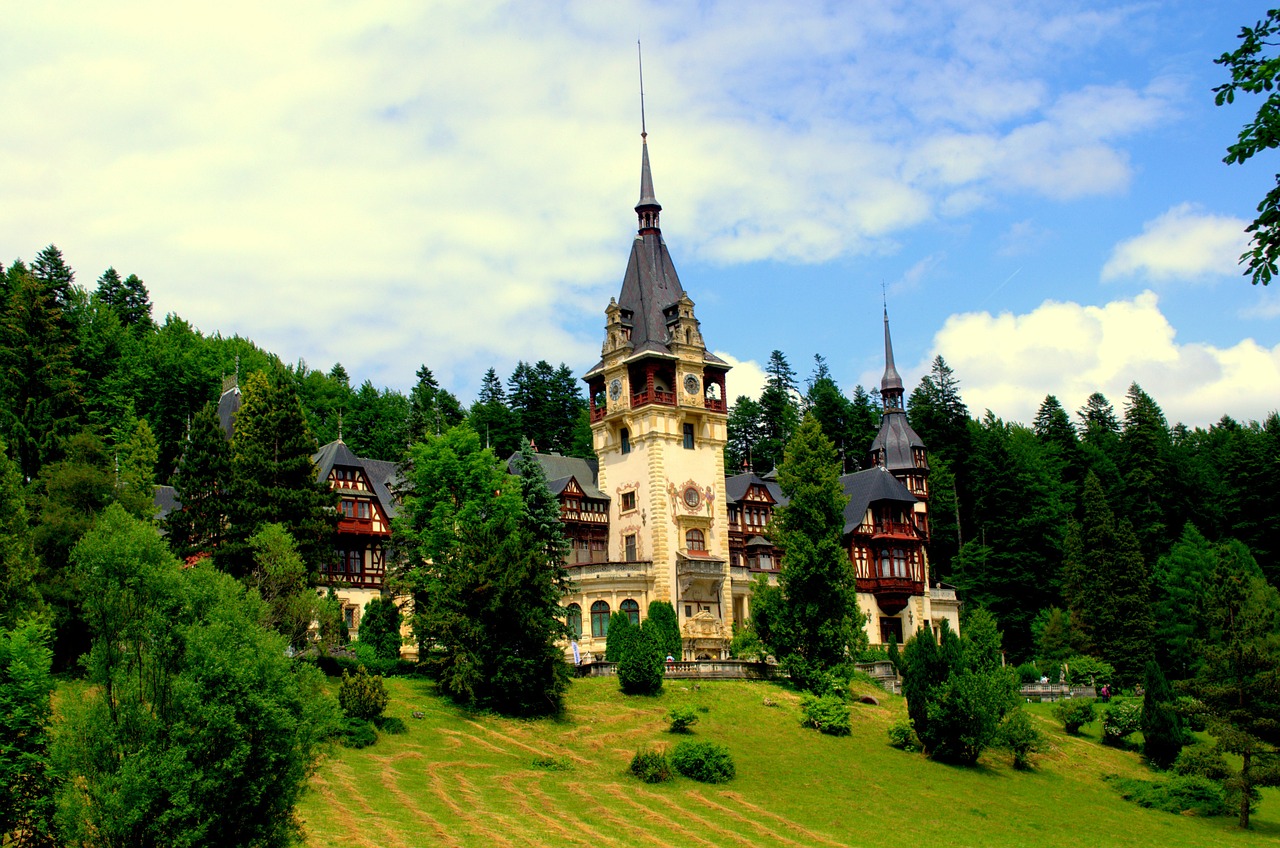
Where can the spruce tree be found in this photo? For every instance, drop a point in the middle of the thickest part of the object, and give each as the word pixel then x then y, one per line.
pixel 812 623
pixel 484 576
pixel 492 419
pixel 18 567
pixel 200 484
pixel 273 479
pixel 744 434
pixel 1145 448
pixel 1162 733
pixel 835 414
pixel 432 409
pixel 1179 582
pixel 779 412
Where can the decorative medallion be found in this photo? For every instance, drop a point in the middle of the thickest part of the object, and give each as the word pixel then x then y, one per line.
pixel 615 388
pixel 691 384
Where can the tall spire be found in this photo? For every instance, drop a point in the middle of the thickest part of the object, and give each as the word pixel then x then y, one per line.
pixel 891 384
pixel 648 208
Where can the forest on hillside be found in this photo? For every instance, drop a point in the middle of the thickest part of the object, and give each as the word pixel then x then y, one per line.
pixel 1076 519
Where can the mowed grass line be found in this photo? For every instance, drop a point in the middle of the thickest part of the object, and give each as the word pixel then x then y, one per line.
pixel 460 779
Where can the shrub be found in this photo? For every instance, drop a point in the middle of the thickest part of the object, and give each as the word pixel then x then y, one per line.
pixel 703 761
pixel 1082 669
pixel 1020 738
pixel 1202 760
pixel 1074 713
pixel 1119 721
pixel 828 714
pixel 1161 726
pixel 1191 794
pixel 650 766
pixel 966 711
pixel 620 627
pixel 663 616
pixel 391 725
pixel 555 763
pixel 640 661
pixel 1028 673
pixel 682 718
pixel 362 695
pixel 1192 712
pixel 903 737
pixel 380 628
pixel 357 733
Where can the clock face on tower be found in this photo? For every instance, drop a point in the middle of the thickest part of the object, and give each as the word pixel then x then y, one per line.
pixel 691 384
pixel 615 389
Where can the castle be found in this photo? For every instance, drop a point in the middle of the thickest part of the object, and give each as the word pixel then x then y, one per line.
pixel 654 517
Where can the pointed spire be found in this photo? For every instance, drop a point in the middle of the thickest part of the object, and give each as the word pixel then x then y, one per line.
pixel 648 208
pixel 891 384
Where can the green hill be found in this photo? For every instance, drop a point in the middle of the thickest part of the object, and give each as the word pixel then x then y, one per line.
pixel 457 779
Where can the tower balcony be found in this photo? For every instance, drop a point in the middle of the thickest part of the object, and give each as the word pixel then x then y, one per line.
pixel 653 396
pixel 891 593
pixel 894 530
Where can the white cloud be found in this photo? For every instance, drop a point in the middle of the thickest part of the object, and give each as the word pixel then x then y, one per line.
pixel 388 184
pixel 1008 363
pixel 1182 244
pixel 745 377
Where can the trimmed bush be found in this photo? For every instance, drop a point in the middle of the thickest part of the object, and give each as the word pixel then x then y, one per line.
pixel 683 718
pixel 1119 721
pixel 1019 736
pixel 706 762
pixel 620 628
pixel 1028 673
pixel 640 661
pixel 1074 713
pixel 362 695
pixel 1202 760
pixel 903 737
pixel 357 733
pixel 663 618
pixel 1184 795
pixel 828 714
pixel 651 766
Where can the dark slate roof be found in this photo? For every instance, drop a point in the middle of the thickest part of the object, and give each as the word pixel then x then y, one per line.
pixel 334 453
pixel 228 406
pixel 648 288
pixel 896 439
pixel 735 487
pixel 166 501
pixel 382 475
pixel 867 487
pixel 560 469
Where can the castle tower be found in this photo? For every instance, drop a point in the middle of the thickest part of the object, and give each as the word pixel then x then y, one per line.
pixel 897 448
pixel 659 426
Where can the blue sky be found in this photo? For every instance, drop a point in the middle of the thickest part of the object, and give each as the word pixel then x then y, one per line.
pixel 1037 187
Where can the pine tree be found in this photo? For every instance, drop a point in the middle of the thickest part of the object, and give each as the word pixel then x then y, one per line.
pixel 59 280
pixel 492 419
pixel 834 413
pixel 1107 585
pixel 483 568
pixel 1145 448
pixel 779 412
pixel 273 479
pixel 744 429
pixel 1180 580
pixel 432 409
pixel 200 486
pixel 1162 735
pixel 1237 678
pixel 812 623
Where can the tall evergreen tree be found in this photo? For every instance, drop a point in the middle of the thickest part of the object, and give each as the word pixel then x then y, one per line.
pixel 59 280
pixel 492 419
pixel 377 425
pixel 811 620
pixel 18 593
pixel 1238 679
pixel 1162 734
pixel 129 299
pixel 1179 582
pixel 745 431
pixel 1145 448
pixel 486 569
pixel 432 409
pixel 1108 585
pixel 864 422
pixel 135 463
pixel 273 479
pixel 779 412
pixel 200 486
pixel 939 415
pixel 835 414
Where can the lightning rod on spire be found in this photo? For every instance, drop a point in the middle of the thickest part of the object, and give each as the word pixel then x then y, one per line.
pixel 640 61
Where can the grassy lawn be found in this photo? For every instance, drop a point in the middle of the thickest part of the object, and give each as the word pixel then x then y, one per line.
pixel 460 779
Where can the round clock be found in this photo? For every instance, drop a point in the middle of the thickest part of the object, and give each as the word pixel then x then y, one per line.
pixel 691 384
pixel 615 389
pixel 692 497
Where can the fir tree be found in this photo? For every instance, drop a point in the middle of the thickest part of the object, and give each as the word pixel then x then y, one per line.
pixel 129 299
pixel 432 409
pixel 779 412
pixel 811 621
pixel 18 593
pixel 1162 732
pixel 1180 580
pixel 273 479
pixel 834 413
pixel 57 277
pixel 745 432
pixel 492 419
pixel 1145 447
pixel 200 487
pixel 136 471
pixel 487 584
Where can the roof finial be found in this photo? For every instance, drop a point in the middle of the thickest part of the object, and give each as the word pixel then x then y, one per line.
pixel 339 425
pixel 640 62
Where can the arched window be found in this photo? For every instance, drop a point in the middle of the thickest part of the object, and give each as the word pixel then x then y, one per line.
pixel 632 609
pixel 574 619
pixel 599 619
pixel 695 541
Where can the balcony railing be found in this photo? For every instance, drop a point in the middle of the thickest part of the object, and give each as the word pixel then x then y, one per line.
pixel 716 405
pixel 657 396
pixel 894 528
pixel 597 413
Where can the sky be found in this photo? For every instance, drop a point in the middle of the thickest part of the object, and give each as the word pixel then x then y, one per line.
pixel 1034 189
